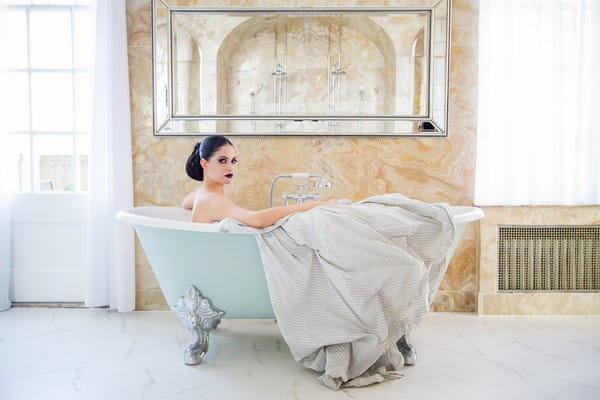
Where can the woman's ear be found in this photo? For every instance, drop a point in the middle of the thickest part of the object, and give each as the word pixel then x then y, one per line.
pixel 203 163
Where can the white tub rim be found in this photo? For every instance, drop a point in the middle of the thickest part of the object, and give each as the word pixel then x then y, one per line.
pixel 179 218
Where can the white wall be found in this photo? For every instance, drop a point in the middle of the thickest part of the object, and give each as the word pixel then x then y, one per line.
pixel 49 247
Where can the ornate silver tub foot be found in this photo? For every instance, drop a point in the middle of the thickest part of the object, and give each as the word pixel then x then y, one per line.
pixel 408 351
pixel 199 316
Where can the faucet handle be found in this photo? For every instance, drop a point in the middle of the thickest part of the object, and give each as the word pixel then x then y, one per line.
pixel 323 184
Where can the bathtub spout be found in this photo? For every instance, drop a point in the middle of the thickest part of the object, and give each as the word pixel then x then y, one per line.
pixel 199 316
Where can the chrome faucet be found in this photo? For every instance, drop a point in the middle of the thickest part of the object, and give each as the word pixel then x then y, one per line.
pixel 299 195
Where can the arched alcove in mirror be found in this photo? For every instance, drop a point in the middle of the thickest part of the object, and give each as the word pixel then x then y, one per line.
pixel 291 71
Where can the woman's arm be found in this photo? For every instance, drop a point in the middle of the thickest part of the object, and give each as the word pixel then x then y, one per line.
pixel 188 200
pixel 217 208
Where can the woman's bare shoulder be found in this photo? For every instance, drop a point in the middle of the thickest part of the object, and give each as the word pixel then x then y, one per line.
pixel 188 200
pixel 208 207
pixel 209 198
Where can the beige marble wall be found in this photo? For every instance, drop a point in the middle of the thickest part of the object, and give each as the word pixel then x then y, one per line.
pixel 430 169
pixel 492 302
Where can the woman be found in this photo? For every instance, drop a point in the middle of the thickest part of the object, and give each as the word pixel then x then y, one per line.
pixel 213 162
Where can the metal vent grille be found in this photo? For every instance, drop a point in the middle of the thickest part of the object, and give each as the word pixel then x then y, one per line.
pixel 561 258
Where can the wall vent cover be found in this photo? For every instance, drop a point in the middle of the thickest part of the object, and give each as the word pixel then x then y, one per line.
pixel 541 258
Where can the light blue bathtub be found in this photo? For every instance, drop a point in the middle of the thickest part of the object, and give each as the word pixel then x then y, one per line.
pixel 225 267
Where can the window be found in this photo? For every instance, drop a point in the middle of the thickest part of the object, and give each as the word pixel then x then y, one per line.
pixel 49 86
pixel 537 136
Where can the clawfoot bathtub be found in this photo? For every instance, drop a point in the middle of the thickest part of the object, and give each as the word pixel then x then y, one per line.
pixel 226 267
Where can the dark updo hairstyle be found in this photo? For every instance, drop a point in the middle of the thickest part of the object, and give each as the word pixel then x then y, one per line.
pixel 204 149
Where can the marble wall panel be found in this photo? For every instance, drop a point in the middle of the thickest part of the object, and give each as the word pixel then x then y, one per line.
pixel 539 303
pixel 430 169
pixel 490 301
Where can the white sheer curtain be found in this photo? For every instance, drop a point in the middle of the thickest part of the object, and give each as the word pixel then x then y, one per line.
pixel 6 178
pixel 538 138
pixel 6 188
pixel 110 274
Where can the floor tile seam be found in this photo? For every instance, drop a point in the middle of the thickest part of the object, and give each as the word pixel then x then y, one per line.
pixel 517 317
pixel 554 358
pixel 417 344
pixel 107 349
pixel 564 380
pixel 190 390
pixel 74 371
pixel 134 360
pixel 517 371
pixel 522 341
pixel 162 377
pixel 201 385
pixel 30 376
pixel 528 370
pixel 100 349
pixel 71 367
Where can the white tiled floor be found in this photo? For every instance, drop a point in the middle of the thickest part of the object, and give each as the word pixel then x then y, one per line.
pixel 99 354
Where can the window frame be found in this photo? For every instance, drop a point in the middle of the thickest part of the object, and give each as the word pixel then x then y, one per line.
pixel 33 184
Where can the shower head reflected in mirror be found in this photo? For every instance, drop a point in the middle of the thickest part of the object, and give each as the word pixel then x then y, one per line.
pixel 255 92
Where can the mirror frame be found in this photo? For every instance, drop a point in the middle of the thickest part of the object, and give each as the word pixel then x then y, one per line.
pixel 434 128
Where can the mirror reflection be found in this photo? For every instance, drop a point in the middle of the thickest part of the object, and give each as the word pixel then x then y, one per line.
pixel 299 71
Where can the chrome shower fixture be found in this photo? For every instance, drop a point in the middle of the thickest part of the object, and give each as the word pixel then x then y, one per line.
pixel 299 195
pixel 253 93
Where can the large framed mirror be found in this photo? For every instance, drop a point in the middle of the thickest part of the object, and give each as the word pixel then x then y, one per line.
pixel 300 70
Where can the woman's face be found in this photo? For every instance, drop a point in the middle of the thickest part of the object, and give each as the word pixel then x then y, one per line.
pixel 220 167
